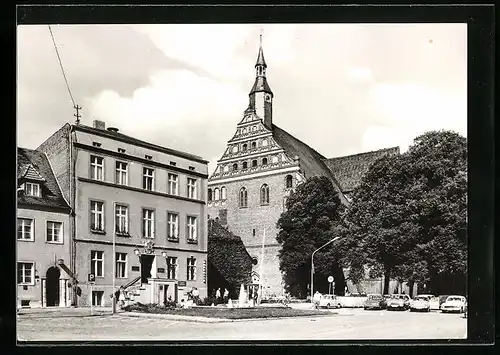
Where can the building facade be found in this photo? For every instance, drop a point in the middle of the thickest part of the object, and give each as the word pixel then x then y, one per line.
pixel 261 166
pixel 140 214
pixel 43 235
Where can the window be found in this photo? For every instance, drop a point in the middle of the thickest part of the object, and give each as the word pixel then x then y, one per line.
pixel 96 168
pixel 209 194
pixel 121 173
pixel 191 269
pixel 289 181
pixel 254 145
pixel 264 195
pixel 243 200
pixel 191 185
pixel 25 229
pixel 148 222
pixel 192 235
pixel 216 194
pixel 121 265
pixel 235 166
pixel 97 263
pixel 32 189
pixel 264 161
pixel 245 165
pixel 244 147
pixel 121 219
pixel 54 232
pixel 25 273
pixel 172 184
pixel 172 225
pixel 254 162
pixel 96 216
pixel 223 193
pixel 171 267
pixel 148 178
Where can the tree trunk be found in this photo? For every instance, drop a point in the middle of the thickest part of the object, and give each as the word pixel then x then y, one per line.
pixel 387 280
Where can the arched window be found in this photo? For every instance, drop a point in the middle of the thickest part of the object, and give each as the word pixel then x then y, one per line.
pixel 289 181
pixel 244 148
pixel 264 195
pixel 254 145
pixel 216 194
pixel 245 165
pixel 264 161
pixel 254 162
pixel 235 166
pixel 209 194
pixel 243 200
pixel 223 193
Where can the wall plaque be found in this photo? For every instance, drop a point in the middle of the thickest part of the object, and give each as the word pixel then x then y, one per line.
pixel 136 268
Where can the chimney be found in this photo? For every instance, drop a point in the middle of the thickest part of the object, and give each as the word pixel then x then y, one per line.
pixel 99 124
pixel 113 129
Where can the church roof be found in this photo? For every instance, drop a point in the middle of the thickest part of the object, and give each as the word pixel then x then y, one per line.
pixel 260 85
pixel 33 165
pixel 311 162
pixel 350 169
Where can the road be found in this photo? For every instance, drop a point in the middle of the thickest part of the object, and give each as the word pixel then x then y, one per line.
pixel 343 324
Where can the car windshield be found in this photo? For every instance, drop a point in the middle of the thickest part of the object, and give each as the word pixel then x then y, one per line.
pixel 422 298
pixel 454 299
pixel 375 297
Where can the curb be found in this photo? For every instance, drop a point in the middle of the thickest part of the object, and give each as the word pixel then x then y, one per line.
pixel 214 320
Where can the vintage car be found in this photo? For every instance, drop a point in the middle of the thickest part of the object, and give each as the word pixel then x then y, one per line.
pixel 375 302
pixel 421 303
pixel 454 304
pixel 329 301
pixel 398 302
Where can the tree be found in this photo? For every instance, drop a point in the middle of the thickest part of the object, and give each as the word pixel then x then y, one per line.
pixel 311 213
pixel 408 215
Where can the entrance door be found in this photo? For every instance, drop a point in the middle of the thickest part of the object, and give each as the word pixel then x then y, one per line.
pixel 146 264
pixel 52 286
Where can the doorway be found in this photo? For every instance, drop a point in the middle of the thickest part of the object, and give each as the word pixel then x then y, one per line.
pixel 146 264
pixel 52 286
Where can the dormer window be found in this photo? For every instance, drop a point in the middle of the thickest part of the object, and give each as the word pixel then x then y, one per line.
pixel 32 189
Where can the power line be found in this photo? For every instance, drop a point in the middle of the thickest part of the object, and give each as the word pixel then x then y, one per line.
pixel 62 70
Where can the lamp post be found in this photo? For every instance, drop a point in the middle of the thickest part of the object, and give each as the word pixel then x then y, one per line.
pixel 312 265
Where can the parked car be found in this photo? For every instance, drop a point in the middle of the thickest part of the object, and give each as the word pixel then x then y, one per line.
pixel 421 303
pixel 454 304
pixel 329 301
pixel 375 302
pixel 398 302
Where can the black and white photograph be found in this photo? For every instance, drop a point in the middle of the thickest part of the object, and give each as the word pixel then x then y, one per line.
pixel 242 182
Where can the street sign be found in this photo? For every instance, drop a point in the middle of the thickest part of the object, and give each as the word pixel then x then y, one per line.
pixel 91 277
pixel 330 278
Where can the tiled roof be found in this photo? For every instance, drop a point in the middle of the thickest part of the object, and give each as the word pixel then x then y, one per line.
pixel 51 195
pixel 228 254
pixel 311 162
pixel 350 169
pixel 135 141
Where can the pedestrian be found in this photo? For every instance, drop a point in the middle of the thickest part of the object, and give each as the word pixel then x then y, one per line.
pixel 317 298
pixel 226 295
pixel 196 295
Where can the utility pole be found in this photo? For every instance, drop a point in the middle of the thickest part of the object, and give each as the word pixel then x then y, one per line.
pixel 77 114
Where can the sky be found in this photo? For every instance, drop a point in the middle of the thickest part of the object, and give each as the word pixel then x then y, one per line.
pixel 341 88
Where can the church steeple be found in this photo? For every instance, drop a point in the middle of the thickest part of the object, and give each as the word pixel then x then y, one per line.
pixel 261 96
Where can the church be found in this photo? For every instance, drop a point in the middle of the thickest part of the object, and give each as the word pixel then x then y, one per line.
pixel 261 166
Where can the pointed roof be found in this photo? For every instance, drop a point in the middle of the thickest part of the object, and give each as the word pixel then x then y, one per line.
pixel 34 165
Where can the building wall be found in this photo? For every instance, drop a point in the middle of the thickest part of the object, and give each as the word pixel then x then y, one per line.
pixel 44 254
pixel 243 221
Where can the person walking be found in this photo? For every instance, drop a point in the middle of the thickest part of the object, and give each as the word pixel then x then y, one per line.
pixel 317 298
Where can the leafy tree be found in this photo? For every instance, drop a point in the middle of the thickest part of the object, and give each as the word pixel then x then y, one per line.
pixel 408 216
pixel 311 213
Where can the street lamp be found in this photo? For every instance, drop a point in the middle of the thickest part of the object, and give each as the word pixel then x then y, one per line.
pixel 312 265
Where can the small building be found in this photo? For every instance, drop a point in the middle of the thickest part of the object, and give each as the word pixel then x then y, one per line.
pixel 43 235
pixel 140 214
